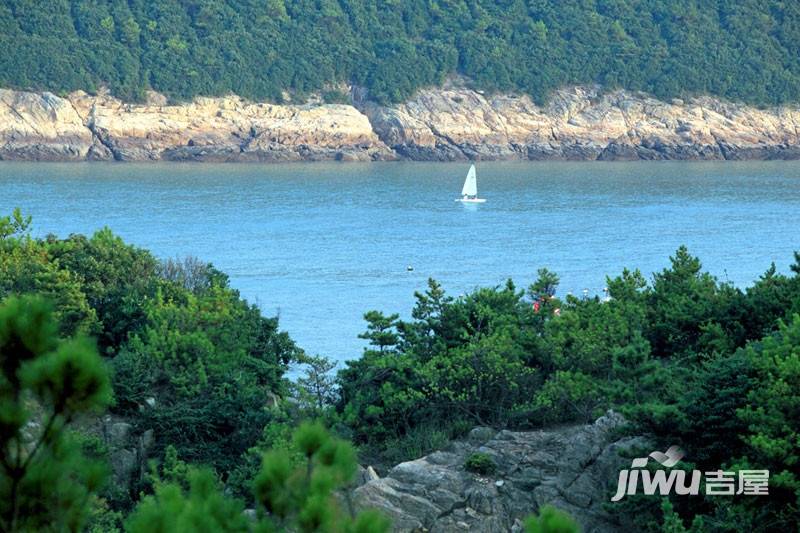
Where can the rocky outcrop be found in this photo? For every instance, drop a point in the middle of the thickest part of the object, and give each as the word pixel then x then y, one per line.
pixel 128 452
pixel 445 124
pixel 227 129
pixel 46 127
pixel 574 468
pixel 582 124
pixel 41 127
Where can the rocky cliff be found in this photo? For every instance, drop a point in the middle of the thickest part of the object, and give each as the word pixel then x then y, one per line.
pixel 83 127
pixel 451 123
pixel 574 468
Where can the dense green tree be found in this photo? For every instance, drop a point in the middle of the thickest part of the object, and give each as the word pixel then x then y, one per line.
pixel 667 354
pixel 772 413
pixel 381 396
pixel 14 225
pixel 302 498
pixel 545 286
pixel 209 362
pixel 687 359
pixel 200 507
pixel 190 358
pixel 46 481
pixel 743 50
pixel 317 387
pixel 690 313
pixel 291 496
pixel 381 330
pixel 115 278
pixel 486 381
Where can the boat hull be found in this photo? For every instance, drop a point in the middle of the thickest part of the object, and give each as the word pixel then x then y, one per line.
pixel 471 200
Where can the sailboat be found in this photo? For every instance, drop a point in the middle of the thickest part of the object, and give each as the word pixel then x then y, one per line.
pixel 469 193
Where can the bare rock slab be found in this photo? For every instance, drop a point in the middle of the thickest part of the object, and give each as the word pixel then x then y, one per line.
pixel 574 468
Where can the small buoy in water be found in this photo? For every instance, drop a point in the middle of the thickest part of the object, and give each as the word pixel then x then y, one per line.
pixel 410 268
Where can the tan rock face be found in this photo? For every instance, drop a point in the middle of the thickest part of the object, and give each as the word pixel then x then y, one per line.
pixel 228 129
pixel 582 123
pixel 451 123
pixel 41 127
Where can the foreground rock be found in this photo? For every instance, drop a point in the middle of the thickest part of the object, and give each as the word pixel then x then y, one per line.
pixel 574 468
pixel 446 124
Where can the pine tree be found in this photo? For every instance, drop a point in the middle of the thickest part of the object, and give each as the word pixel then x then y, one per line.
pixel 45 480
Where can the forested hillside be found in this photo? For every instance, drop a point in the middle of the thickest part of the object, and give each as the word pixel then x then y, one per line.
pixel 742 50
pixel 92 327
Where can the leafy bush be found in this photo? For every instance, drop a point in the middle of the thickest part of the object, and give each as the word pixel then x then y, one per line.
pixel 172 509
pixel 290 497
pixel 480 463
pixel 551 520
pixel 420 440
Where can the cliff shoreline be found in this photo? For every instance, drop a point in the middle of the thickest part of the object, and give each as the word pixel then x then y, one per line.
pixel 452 123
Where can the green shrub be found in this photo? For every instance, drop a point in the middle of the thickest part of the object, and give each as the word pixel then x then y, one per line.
pixel 175 333
pixel 419 441
pixel 335 97
pixel 480 463
pixel 551 520
pixel 288 496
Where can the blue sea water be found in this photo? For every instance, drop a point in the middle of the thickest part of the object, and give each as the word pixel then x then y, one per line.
pixel 320 244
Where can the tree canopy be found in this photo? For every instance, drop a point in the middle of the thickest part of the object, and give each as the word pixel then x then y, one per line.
pixel 93 323
pixel 742 50
pixel 686 358
pixel 46 481
pixel 190 358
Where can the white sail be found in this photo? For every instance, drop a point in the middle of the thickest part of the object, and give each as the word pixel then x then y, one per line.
pixel 470 184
